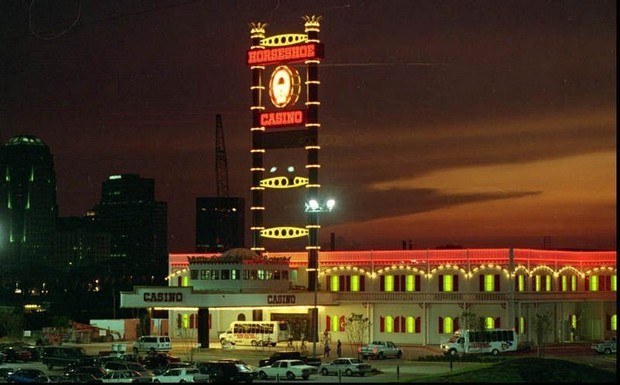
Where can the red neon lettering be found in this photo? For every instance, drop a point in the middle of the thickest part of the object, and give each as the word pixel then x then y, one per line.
pixel 283 118
pixel 285 54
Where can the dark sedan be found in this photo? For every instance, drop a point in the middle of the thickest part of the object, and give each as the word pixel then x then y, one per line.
pixel 24 376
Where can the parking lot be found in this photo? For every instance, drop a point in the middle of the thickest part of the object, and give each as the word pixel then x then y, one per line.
pixel 386 371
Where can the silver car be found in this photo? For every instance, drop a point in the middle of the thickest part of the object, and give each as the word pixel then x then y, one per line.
pixel 345 366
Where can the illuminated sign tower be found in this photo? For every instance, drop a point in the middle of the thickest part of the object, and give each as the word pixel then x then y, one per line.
pixel 278 122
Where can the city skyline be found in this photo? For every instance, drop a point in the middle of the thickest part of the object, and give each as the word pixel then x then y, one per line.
pixel 474 124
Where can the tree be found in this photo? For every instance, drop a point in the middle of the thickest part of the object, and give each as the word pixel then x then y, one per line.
pixel 468 319
pixel 357 327
pixel 543 326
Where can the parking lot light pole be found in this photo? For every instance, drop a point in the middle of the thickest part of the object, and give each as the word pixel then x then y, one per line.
pixel 313 207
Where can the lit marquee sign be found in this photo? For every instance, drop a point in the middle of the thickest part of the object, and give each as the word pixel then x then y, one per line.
pixel 284 86
pixel 284 90
pixel 286 54
pixel 285 81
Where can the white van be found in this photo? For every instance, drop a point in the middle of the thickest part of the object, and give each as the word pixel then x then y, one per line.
pixel 152 344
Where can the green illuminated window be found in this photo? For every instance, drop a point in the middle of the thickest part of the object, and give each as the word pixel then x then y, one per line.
pixel 489 282
pixel 448 282
pixel 389 283
pixel 389 324
pixel 489 323
pixel 594 282
pixel 185 281
pixel 568 283
pixel 355 283
pixel 410 283
pixel 410 325
pixel 614 325
pixel 185 321
pixel 448 325
pixel 335 323
pixel 520 282
pixel 334 283
pixel 521 325
pixel 542 282
pixel 573 321
pixel 614 283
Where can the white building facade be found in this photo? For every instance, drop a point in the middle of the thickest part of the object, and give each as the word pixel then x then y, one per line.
pixel 411 296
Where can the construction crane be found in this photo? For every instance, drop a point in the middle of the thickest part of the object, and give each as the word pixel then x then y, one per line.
pixel 221 165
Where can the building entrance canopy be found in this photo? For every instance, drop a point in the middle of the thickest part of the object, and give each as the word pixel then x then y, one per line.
pixel 183 297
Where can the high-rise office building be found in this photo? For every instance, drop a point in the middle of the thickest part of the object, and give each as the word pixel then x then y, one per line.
pixel 28 207
pixel 138 227
pixel 220 224
pixel 78 244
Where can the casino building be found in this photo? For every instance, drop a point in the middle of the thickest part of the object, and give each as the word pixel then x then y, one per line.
pixel 409 296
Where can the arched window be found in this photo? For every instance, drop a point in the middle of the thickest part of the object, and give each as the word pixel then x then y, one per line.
pixel 448 325
pixel 489 323
pixel 410 325
pixel 335 324
pixel 240 317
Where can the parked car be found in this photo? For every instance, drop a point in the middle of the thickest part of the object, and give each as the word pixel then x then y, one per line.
pixel 5 371
pixel 24 376
pixel 173 365
pixel 605 347
pixel 155 361
pixel 126 365
pixel 181 375
pixel 51 378
pixel 289 369
pixel 380 350
pixel 81 378
pixel 131 357
pixel 345 366
pixel 35 351
pixel 227 371
pixel 66 355
pixel 14 354
pixel 96 371
pixel 125 376
pixel 286 355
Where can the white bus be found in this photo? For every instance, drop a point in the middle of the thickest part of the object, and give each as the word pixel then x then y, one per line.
pixel 492 341
pixel 256 333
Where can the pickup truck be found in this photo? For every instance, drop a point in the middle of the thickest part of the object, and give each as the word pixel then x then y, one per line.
pixel 277 356
pixel 605 347
pixel 380 350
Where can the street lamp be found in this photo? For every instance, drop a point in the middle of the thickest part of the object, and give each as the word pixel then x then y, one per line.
pixel 313 207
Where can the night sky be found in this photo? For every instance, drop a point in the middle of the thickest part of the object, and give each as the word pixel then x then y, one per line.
pixel 468 123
